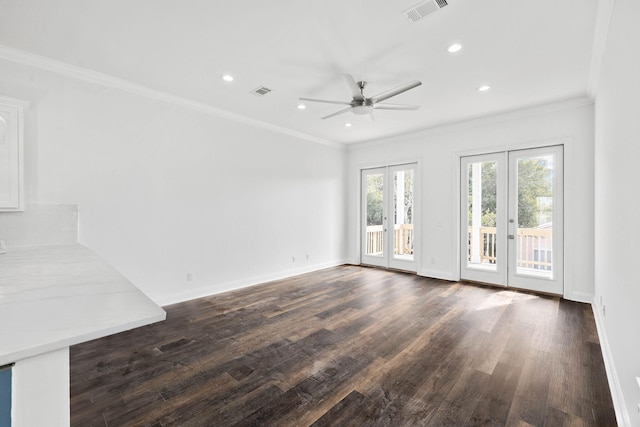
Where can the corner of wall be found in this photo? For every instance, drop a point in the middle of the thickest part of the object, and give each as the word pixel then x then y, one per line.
pixel 622 416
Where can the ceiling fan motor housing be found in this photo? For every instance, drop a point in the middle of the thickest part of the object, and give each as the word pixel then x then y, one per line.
pixel 361 105
pixel 365 108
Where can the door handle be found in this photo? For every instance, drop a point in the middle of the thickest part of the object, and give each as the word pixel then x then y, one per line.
pixel 511 236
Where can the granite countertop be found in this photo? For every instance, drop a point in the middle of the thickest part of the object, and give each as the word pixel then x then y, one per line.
pixel 53 297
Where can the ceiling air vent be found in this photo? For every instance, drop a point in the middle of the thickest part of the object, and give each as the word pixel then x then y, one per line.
pixel 423 9
pixel 261 90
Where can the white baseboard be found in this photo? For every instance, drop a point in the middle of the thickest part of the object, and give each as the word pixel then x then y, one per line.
pixel 218 288
pixel 622 416
pixel 578 296
pixel 442 275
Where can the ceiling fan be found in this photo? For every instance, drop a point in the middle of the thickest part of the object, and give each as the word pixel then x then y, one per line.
pixel 360 104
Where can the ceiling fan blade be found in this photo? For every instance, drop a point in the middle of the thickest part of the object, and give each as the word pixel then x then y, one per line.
pixel 395 107
pixel 325 101
pixel 356 93
pixel 397 91
pixel 346 110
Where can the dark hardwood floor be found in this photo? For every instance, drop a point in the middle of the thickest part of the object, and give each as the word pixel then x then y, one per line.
pixel 350 346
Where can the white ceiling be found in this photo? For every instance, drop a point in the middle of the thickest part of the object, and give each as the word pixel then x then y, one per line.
pixel 529 52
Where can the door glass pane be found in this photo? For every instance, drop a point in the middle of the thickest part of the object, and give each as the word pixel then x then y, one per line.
pixel 403 183
pixel 535 215
pixel 375 215
pixel 482 181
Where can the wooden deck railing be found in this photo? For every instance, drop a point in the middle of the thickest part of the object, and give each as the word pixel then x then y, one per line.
pixel 534 244
pixel 403 239
pixel 534 247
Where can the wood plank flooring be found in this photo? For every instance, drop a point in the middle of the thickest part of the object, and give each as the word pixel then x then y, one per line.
pixel 350 346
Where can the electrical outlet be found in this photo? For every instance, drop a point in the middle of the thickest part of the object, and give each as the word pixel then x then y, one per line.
pixel 189 277
pixel 307 257
pixel 433 260
pixel 293 259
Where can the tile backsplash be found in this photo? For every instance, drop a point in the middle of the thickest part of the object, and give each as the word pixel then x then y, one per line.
pixel 40 225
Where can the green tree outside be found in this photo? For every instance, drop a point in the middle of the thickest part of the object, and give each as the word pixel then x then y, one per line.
pixel 534 184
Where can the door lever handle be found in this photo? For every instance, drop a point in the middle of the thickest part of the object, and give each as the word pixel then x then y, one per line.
pixel 511 236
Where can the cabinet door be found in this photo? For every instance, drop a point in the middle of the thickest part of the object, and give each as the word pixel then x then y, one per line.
pixel 5 396
pixel 11 152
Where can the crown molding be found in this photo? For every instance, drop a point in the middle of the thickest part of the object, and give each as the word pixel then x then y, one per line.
pixel 600 36
pixel 483 120
pixel 73 71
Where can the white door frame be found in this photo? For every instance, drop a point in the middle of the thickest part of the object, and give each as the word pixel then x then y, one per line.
pixel 506 272
pixel 379 261
pixel 388 260
pixel 554 284
pixel 497 276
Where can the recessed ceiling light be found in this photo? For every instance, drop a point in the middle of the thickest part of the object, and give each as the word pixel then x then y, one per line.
pixel 484 88
pixel 301 106
pixel 455 47
pixel 227 78
pixel 347 125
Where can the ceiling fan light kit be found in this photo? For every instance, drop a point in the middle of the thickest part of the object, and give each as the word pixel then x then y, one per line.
pixel 361 105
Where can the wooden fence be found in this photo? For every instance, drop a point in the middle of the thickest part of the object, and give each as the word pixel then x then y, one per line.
pixel 534 247
pixel 403 239
pixel 534 244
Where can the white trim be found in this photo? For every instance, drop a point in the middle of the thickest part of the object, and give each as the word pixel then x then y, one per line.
pixel 499 275
pixel 219 288
pixel 600 36
pixel 434 274
pixel 14 101
pixel 457 217
pixel 387 165
pixel 524 145
pixel 578 296
pixel 95 77
pixel 484 120
pixel 373 260
pixel 619 405
pixel 19 106
pixel 567 143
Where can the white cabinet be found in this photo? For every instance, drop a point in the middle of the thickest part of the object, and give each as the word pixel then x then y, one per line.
pixel 11 155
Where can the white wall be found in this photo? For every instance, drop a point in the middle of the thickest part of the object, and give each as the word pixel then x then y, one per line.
pixel 438 151
pixel 164 190
pixel 618 203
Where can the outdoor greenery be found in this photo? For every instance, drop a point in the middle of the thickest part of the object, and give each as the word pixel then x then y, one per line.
pixel 534 185
pixel 375 193
pixel 374 199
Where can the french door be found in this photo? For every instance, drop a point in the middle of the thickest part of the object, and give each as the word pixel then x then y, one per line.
pixel 388 212
pixel 512 219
